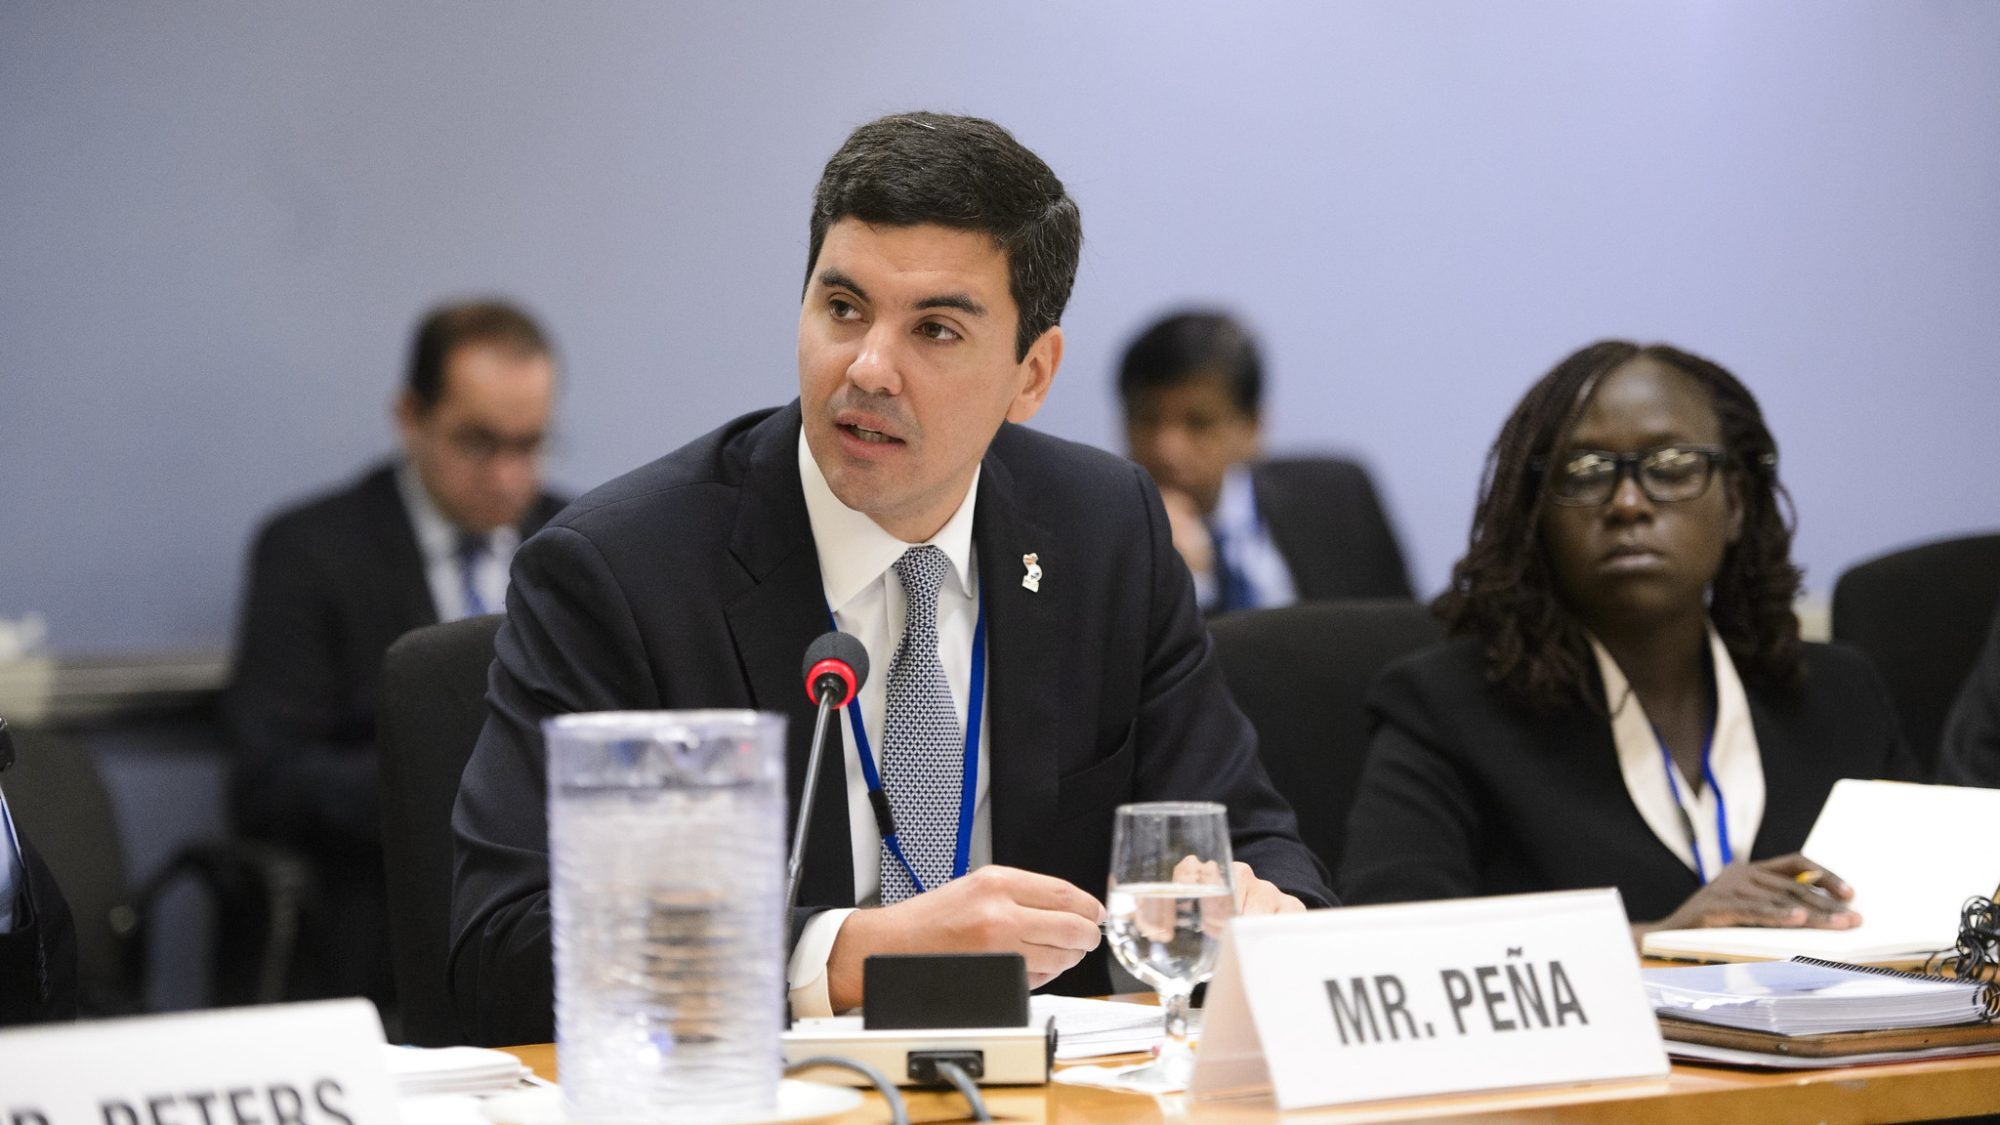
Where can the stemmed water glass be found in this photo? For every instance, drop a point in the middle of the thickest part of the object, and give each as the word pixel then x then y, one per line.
pixel 1171 894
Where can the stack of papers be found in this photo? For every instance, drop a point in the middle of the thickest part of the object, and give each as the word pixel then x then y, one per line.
pixel 452 1070
pixel 1089 1028
pixel 1804 997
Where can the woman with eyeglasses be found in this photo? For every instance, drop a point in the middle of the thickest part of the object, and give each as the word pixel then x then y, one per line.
pixel 1625 700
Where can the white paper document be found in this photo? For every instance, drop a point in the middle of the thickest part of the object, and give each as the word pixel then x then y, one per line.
pixel 1913 854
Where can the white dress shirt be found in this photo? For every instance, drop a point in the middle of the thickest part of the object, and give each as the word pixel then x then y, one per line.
pixel 1683 814
pixel 1244 540
pixel 437 542
pixel 856 559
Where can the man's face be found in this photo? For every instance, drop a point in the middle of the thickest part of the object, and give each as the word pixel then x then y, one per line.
pixel 1188 434
pixel 907 368
pixel 478 449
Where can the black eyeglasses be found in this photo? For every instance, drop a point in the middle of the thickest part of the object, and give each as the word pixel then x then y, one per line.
pixel 481 446
pixel 1670 473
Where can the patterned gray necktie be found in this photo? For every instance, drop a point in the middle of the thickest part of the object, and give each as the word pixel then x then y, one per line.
pixel 923 748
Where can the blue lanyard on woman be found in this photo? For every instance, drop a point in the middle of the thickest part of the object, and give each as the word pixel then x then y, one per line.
pixel 1721 809
pixel 968 778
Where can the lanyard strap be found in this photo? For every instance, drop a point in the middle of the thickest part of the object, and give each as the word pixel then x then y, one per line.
pixel 968 778
pixel 1721 808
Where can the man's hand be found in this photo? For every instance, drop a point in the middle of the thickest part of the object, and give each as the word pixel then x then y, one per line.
pixel 1790 890
pixel 1255 896
pixel 1190 532
pixel 994 909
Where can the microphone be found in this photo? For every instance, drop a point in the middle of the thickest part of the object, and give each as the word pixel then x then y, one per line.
pixel 835 668
pixel 835 662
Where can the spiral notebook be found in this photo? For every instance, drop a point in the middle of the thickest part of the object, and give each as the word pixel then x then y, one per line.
pixel 1805 996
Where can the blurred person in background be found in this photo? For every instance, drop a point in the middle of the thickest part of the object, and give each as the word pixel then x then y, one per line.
pixel 37 935
pixel 1254 533
pixel 427 537
pixel 1970 753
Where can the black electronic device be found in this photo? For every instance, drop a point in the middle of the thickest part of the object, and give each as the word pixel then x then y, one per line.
pixel 932 991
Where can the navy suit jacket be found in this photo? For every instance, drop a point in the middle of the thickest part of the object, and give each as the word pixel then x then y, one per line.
pixel 333 582
pixel 1327 522
pixel 694 582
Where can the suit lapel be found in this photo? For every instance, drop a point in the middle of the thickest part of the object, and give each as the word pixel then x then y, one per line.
pixel 402 559
pixel 1023 629
pixel 772 621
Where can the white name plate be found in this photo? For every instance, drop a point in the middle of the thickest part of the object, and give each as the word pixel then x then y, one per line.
pixel 286 1064
pixel 1367 1003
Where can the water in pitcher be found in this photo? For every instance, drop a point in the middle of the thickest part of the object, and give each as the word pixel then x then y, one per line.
pixel 669 939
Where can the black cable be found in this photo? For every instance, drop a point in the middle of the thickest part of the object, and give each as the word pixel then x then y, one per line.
pixel 898 1115
pixel 962 1082
pixel 1976 954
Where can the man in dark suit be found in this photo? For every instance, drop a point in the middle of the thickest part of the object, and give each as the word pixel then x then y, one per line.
pixel 900 495
pixel 335 580
pixel 37 935
pixel 1254 533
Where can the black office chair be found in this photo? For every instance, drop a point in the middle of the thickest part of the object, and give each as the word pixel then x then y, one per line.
pixel 1921 614
pixel 433 703
pixel 1302 675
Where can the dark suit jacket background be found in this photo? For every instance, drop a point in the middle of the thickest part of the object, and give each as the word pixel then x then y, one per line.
pixel 1970 754
pixel 694 582
pixel 1466 794
pixel 332 583
pixel 38 957
pixel 1327 522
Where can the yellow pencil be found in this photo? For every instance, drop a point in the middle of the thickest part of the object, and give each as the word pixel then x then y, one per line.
pixel 1809 878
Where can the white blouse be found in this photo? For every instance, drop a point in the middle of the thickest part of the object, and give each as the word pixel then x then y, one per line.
pixel 1687 814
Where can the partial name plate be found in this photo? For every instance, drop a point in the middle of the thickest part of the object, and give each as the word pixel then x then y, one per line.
pixel 285 1064
pixel 1370 1003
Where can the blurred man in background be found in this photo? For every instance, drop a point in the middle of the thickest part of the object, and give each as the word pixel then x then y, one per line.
pixel 1254 533
pixel 425 538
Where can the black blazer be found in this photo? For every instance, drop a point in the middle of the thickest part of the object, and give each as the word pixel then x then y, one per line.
pixel 694 582
pixel 1467 794
pixel 332 583
pixel 1970 753
pixel 1327 522
pixel 38 957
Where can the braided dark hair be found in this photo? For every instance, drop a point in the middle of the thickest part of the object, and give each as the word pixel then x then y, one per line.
pixel 1504 590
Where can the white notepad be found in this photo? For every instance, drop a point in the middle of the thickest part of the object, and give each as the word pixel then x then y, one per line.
pixel 1913 853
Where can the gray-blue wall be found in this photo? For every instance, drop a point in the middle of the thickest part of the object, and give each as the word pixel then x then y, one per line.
pixel 219 220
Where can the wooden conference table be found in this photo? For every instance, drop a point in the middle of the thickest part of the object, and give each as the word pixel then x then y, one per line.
pixel 1713 1095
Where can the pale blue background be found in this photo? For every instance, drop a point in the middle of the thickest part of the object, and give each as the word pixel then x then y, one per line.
pixel 219 220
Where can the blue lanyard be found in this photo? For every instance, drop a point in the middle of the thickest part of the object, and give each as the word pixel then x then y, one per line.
pixel 1721 809
pixel 968 781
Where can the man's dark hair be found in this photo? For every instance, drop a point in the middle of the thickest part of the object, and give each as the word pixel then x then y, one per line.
pixel 472 322
pixel 1188 344
pixel 1504 590
pixel 963 172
